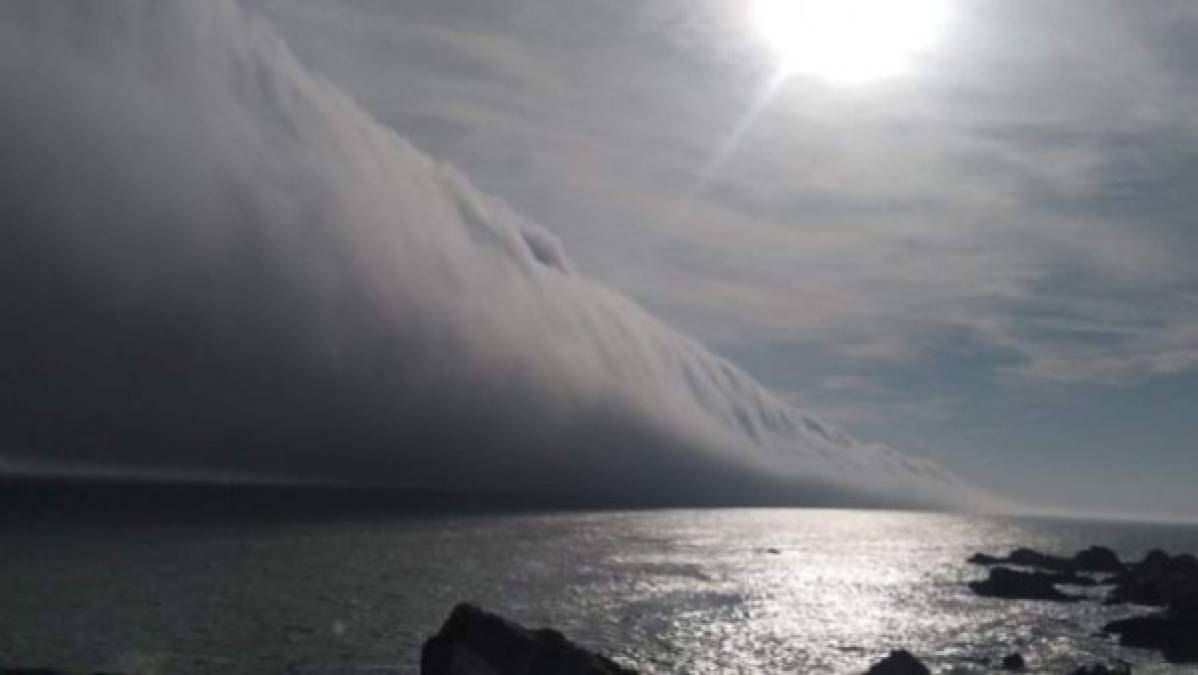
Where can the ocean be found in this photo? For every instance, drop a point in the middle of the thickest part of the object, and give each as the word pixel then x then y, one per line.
pixel 670 591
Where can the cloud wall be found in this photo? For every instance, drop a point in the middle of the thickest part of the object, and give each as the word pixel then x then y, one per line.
pixel 217 261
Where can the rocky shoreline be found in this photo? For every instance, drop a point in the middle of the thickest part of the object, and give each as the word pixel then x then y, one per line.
pixel 473 641
pixel 1169 583
pixel 476 642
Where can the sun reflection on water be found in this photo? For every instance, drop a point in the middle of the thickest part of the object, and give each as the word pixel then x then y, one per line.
pixel 702 591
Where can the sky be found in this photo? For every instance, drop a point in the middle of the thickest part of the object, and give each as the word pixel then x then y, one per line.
pixel 982 259
pixel 986 260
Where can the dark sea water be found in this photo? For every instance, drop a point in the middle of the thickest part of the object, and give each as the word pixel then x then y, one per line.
pixel 667 591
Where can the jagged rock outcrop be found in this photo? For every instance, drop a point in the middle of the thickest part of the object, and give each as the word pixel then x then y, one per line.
pixel 476 642
pixel 1164 581
pixel 1173 633
pixel 899 662
pixel 1014 585
pixel 1159 579
pixel 1097 559
pixel 1026 557
pixel 1093 559
pixel 1032 558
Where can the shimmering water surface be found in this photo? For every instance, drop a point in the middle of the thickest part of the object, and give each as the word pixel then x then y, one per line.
pixel 667 591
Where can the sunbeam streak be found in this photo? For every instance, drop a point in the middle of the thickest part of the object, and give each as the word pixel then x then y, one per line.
pixel 726 147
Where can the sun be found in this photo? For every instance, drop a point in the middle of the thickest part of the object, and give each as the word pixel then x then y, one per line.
pixel 848 41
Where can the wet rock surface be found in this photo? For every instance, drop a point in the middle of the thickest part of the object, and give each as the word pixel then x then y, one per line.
pixel 476 642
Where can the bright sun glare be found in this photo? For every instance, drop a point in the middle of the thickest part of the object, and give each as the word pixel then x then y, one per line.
pixel 848 41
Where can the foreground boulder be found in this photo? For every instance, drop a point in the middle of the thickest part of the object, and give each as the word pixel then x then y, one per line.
pixel 1013 662
pixel 900 662
pixel 475 642
pixel 1013 585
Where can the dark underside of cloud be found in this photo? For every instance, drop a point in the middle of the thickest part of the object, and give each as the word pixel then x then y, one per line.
pixel 214 261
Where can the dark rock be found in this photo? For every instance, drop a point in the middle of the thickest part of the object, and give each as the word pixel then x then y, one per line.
pixel 475 642
pixel 1156 559
pixel 773 551
pixel 1030 558
pixel 1097 559
pixel 983 559
pixel 1153 565
pixel 1013 585
pixel 900 662
pixel 1159 580
pixel 343 669
pixel 1174 635
pixel 1167 581
pixel 1013 662
pixel 1071 578
pixel 1026 557
pixel 1100 669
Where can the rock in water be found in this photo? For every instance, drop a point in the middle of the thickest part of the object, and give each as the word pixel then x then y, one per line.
pixel 900 662
pixel 1174 633
pixel 1013 662
pixel 1070 578
pixel 1033 558
pixel 475 642
pixel 983 559
pixel 1097 559
pixel 1121 669
pixel 1159 580
pixel 1013 585
pixel 1026 557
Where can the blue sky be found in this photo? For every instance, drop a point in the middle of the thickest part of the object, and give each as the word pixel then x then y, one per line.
pixel 987 259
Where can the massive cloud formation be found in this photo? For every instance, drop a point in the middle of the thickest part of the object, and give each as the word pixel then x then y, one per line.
pixel 213 260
